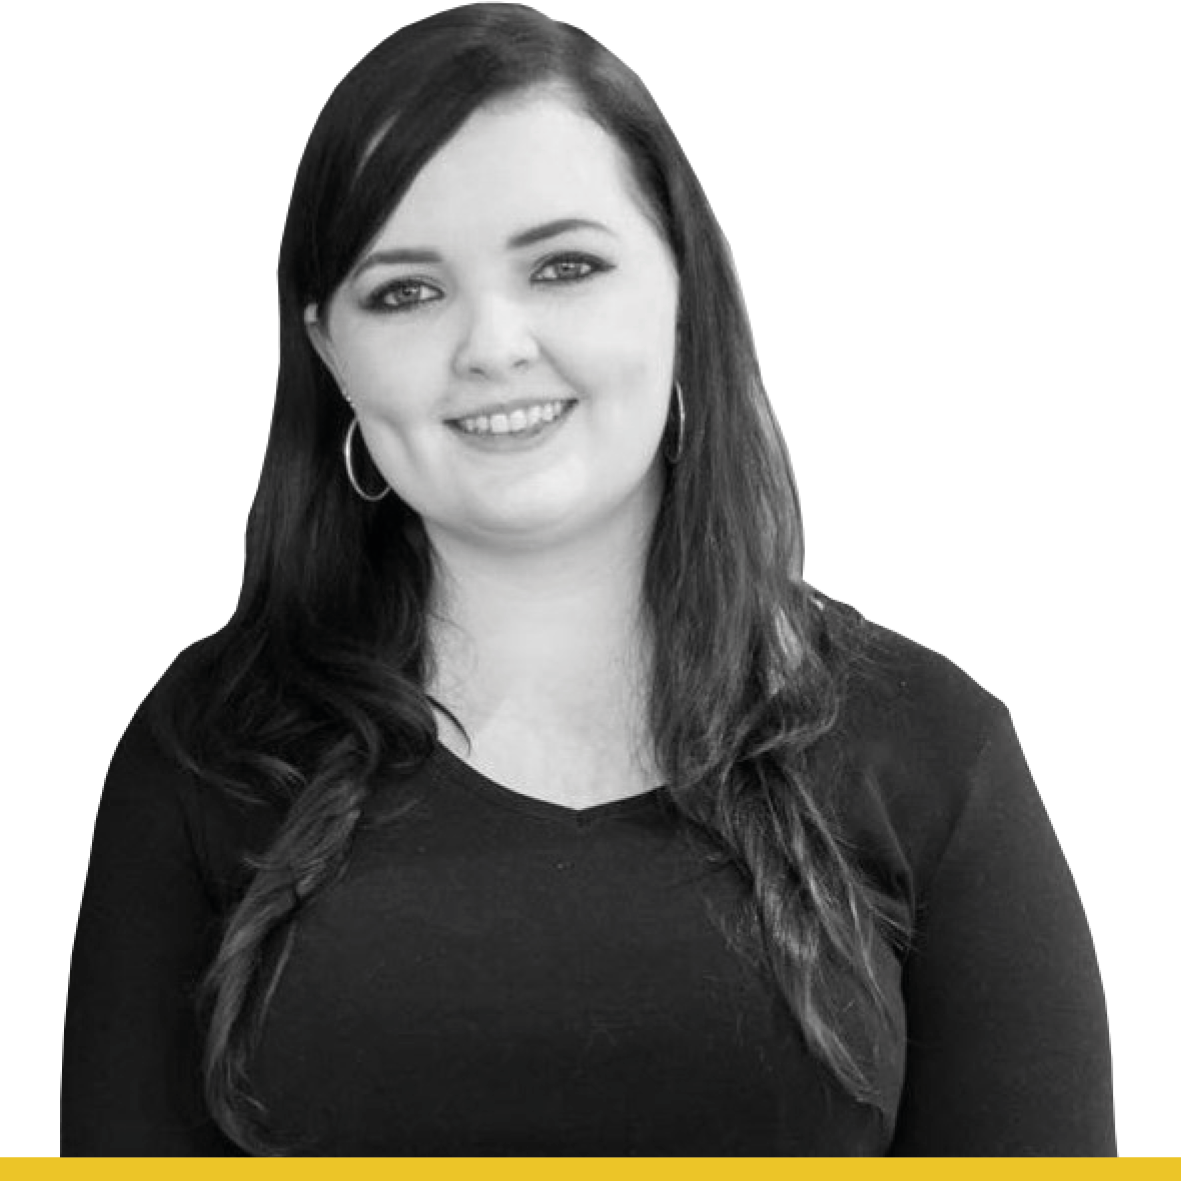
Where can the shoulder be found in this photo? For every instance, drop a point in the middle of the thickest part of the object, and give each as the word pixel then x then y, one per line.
pixel 914 734
pixel 896 690
pixel 157 770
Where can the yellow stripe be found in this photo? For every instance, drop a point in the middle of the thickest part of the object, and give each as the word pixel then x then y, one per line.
pixel 586 1169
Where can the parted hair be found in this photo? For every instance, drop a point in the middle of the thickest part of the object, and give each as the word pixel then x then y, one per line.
pixel 314 690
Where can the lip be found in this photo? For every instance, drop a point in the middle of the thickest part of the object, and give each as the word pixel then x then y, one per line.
pixel 508 444
pixel 507 407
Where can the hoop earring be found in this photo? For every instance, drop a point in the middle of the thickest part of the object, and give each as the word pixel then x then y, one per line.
pixel 348 464
pixel 675 457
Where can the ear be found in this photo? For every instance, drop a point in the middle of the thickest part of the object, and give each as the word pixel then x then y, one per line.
pixel 318 335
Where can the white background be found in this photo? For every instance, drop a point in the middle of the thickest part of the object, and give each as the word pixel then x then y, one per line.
pixel 957 225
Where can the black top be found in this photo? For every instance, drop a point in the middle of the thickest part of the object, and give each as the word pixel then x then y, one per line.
pixel 501 975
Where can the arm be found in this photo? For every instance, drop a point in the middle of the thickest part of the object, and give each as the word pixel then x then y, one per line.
pixel 131 1078
pixel 1008 1051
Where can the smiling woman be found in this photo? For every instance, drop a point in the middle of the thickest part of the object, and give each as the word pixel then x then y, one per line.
pixel 531 802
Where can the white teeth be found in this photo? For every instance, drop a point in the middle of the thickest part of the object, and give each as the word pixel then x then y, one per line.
pixel 519 420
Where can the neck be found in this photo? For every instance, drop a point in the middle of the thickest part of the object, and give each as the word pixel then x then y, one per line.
pixel 546 628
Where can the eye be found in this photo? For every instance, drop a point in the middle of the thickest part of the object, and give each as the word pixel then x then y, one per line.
pixel 401 295
pixel 569 268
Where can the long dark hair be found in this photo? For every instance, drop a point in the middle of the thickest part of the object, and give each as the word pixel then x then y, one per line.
pixel 315 686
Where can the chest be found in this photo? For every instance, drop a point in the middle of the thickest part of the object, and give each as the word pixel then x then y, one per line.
pixel 489 981
pixel 578 757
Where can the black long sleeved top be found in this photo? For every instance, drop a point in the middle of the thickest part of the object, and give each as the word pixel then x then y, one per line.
pixel 500 975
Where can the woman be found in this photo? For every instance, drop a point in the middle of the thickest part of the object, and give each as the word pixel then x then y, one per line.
pixel 531 802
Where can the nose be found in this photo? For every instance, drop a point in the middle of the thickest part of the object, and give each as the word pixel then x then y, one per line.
pixel 497 338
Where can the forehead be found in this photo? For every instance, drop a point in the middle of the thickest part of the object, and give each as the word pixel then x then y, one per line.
pixel 514 164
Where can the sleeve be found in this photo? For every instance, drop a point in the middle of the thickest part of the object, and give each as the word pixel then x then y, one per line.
pixel 1008 1049
pixel 131 1078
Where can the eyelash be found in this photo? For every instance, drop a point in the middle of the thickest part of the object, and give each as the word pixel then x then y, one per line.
pixel 375 301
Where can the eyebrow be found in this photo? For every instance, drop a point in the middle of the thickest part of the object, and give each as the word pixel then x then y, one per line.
pixel 530 237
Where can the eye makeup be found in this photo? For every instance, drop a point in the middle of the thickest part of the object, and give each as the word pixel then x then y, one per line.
pixel 408 291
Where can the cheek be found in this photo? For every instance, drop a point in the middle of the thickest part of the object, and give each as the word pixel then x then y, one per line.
pixel 394 383
pixel 627 351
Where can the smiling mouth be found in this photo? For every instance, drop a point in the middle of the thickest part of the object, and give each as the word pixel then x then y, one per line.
pixel 522 421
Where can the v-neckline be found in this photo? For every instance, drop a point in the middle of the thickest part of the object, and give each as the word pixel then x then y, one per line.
pixel 449 765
